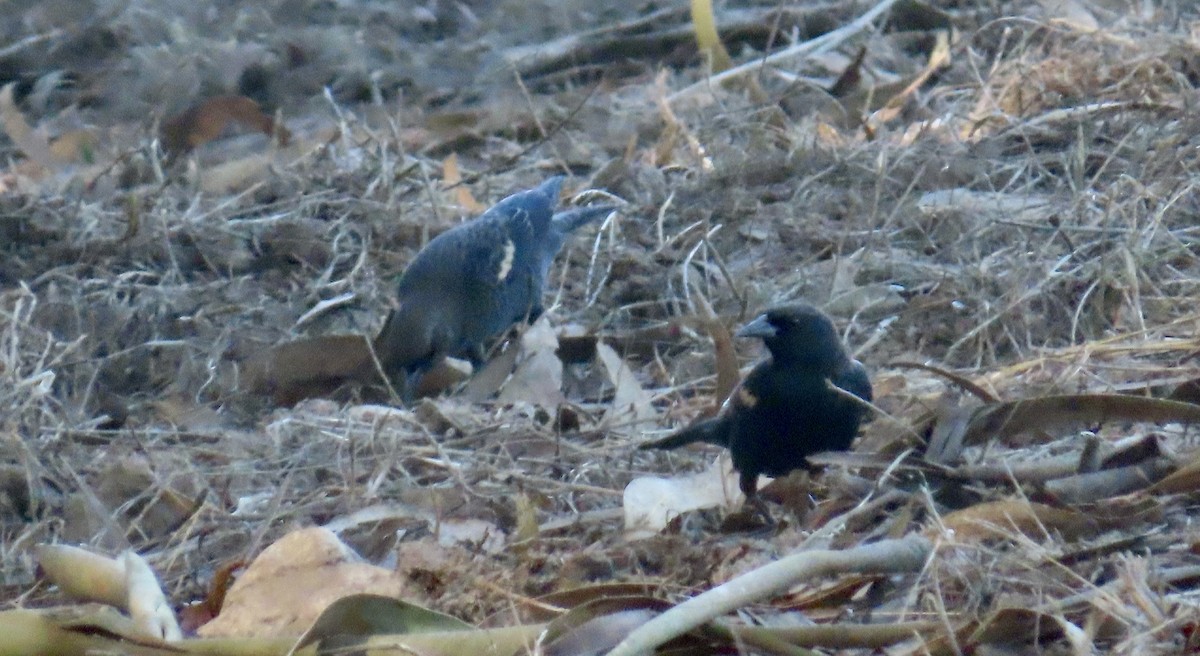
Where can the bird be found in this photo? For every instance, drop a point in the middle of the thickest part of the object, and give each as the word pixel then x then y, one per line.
pixel 785 409
pixel 475 281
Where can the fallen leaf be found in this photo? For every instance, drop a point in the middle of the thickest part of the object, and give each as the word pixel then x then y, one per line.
pixel 83 575
pixel 147 605
pixel 286 588
pixel 632 407
pixel 1001 420
pixel 208 119
pixel 539 373
pixel 364 615
pixel 452 178
pixel 1005 519
pixel 651 502
pixel 309 368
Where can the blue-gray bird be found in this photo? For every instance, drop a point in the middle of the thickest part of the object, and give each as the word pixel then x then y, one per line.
pixel 475 280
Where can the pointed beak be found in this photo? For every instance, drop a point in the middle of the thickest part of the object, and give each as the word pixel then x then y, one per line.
pixel 760 328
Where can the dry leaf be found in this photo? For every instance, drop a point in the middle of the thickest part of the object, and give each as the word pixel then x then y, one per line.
pixel 632 407
pixel 235 175
pixel 728 374
pixel 651 502
pixel 129 485
pixel 364 615
pixel 309 368
pixel 1184 480
pixel 208 119
pixel 539 373
pixel 1050 413
pixel 938 58
pixel 452 178
pixel 147 604
pixel 1003 519
pixel 851 76
pixel 83 575
pixel 292 581
pixel 127 584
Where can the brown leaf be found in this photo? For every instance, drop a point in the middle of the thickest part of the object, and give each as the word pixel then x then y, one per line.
pixel 492 376
pixel 83 575
pixel 1003 519
pixel 309 368
pixel 452 178
pixel 206 120
pixel 938 58
pixel 196 615
pixel 998 421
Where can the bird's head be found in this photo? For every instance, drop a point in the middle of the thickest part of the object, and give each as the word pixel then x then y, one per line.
pixel 798 332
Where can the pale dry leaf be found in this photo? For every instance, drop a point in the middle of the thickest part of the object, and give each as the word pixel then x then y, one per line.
pixel 83 575
pixel 285 589
pixel 632 406
pixel 147 605
pixel 651 502
pixel 539 373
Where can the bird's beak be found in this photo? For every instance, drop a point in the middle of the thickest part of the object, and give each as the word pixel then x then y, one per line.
pixel 760 328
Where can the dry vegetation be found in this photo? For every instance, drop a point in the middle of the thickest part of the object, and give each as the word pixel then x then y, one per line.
pixel 1013 200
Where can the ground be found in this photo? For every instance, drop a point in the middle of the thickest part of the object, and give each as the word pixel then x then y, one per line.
pixel 1003 192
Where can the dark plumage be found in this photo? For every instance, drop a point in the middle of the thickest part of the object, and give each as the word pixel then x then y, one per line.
pixel 784 410
pixel 474 281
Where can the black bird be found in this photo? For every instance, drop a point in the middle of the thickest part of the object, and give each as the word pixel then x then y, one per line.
pixel 476 280
pixel 785 410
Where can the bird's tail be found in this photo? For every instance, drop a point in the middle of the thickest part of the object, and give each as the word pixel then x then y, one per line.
pixel 709 431
pixel 567 220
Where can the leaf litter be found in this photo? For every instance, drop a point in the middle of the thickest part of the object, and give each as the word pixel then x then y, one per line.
pixel 1001 195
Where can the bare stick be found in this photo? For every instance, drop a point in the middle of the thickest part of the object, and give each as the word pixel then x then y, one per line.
pixel 907 554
